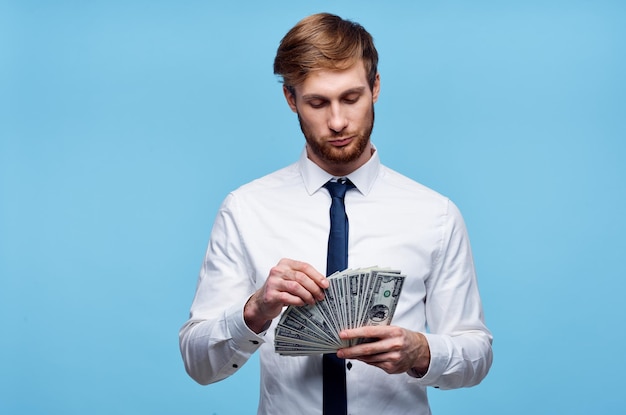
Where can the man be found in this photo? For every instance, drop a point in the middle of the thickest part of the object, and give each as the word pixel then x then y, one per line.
pixel 268 250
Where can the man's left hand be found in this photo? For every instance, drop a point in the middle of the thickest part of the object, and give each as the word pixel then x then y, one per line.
pixel 391 348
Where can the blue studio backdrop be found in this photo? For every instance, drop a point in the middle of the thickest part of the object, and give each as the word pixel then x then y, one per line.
pixel 123 125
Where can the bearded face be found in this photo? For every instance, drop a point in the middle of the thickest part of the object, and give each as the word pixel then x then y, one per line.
pixel 336 113
pixel 320 145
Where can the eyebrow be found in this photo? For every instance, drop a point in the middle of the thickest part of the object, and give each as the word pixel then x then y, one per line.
pixel 358 90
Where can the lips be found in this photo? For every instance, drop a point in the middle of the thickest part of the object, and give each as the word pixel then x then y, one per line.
pixel 341 142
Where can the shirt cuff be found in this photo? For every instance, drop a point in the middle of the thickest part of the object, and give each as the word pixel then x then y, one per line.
pixel 244 341
pixel 439 358
pixel 241 334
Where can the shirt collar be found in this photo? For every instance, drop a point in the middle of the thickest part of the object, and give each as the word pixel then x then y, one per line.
pixel 315 177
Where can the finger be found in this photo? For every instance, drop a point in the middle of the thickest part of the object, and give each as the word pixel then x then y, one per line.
pixel 307 276
pixel 289 283
pixel 363 350
pixel 310 285
pixel 377 332
pixel 300 287
pixel 308 270
pixel 282 288
pixel 378 339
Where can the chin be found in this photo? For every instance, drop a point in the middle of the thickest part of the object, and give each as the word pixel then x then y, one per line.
pixel 335 155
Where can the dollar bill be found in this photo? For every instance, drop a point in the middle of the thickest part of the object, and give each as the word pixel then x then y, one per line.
pixel 383 300
pixel 354 298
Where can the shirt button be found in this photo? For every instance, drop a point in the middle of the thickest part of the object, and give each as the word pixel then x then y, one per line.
pixel 254 341
pixel 235 365
pixel 349 365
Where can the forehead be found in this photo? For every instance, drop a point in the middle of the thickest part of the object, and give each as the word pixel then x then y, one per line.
pixel 329 82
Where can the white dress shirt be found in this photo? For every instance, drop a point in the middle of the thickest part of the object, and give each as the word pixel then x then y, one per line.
pixel 394 222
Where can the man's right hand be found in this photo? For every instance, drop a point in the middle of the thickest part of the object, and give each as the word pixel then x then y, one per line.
pixel 290 282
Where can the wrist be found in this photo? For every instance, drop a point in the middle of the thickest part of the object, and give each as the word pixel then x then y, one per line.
pixel 253 317
pixel 416 373
pixel 421 363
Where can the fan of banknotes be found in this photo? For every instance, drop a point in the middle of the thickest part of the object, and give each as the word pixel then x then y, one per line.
pixel 355 298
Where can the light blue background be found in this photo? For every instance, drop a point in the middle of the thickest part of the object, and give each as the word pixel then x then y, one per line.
pixel 123 124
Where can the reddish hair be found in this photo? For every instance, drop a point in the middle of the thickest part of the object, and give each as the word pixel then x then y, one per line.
pixel 324 41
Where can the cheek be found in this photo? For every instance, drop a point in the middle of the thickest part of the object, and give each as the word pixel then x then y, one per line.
pixel 359 112
pixel 314 122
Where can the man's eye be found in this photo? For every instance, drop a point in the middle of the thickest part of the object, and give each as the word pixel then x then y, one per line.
pixel 317 104
pixel 351 100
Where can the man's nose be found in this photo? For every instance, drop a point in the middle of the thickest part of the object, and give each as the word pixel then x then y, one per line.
pixel 337 120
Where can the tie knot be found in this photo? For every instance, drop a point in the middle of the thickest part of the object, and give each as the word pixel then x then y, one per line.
pixel 338 188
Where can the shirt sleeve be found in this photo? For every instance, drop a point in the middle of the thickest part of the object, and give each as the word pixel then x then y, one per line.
pixel 215 342
pixel 459 341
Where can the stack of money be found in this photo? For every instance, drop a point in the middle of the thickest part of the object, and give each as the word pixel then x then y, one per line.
pixel 355 298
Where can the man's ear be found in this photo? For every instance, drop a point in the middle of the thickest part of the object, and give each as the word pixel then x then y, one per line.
pixel 291 99
pixel 376 88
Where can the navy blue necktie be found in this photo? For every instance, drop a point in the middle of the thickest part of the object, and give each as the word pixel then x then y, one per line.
pixel 335 400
